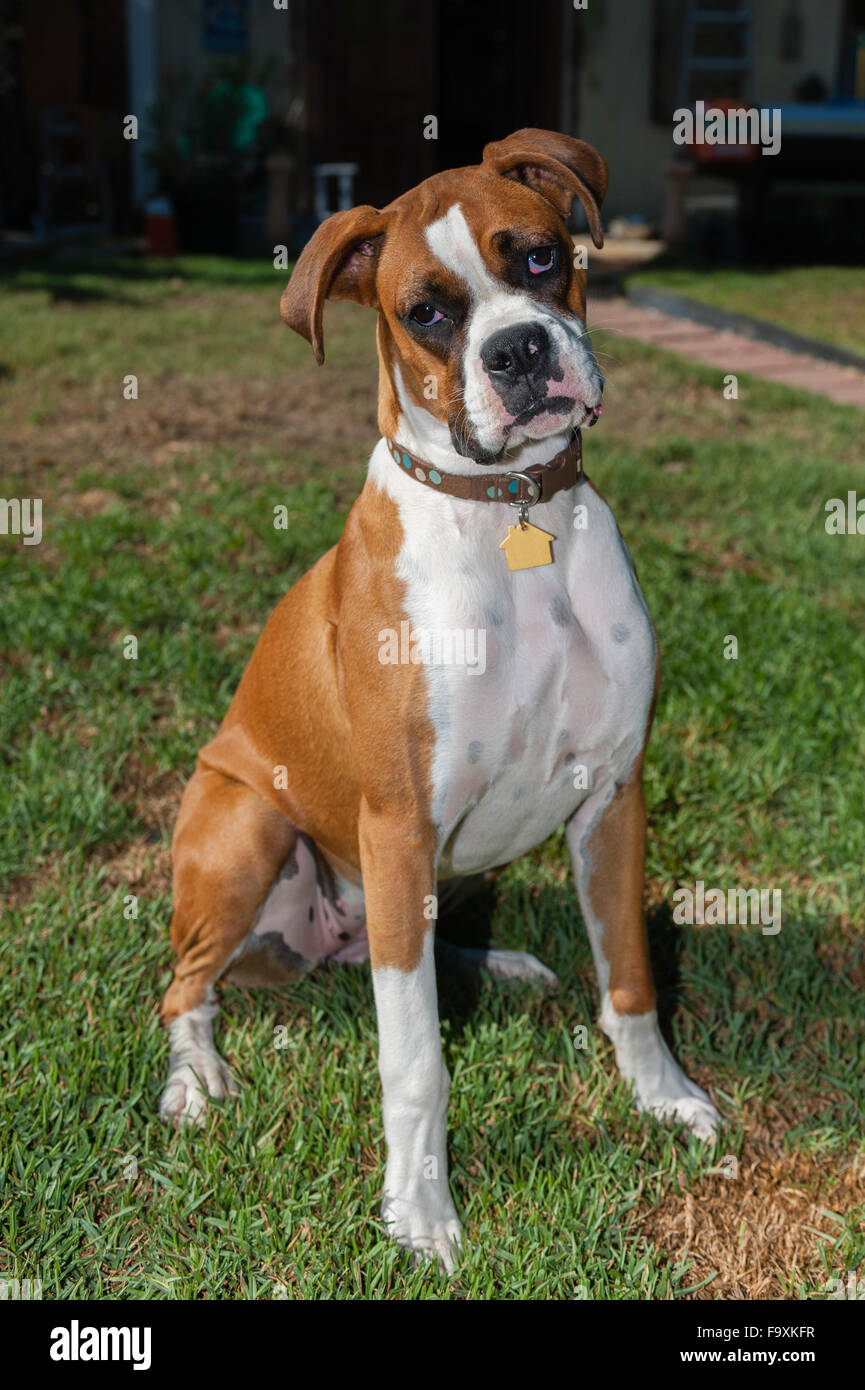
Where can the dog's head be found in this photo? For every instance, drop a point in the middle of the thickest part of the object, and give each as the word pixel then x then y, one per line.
pixel 481 305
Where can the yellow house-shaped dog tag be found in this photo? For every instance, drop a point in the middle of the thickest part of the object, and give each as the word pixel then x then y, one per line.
pixel 527 546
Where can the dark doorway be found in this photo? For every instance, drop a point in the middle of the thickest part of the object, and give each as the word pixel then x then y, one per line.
pixel 499 68
pixel 376 72
pixel 61 107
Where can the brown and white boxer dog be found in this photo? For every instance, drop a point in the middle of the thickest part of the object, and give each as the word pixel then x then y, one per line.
pixel 366 764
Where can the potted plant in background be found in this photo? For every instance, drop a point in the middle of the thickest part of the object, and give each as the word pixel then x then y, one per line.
pixel 208 149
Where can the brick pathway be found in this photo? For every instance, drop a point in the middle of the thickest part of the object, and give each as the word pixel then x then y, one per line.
pixel 732 352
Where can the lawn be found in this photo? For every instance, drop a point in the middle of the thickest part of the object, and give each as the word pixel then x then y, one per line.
pixel 157 516
pixel 825 302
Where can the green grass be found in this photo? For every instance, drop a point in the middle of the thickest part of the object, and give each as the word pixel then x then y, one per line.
pixel 753 778
pixel 826 302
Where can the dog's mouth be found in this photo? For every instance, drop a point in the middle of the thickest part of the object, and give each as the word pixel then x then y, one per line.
pixel 552 405
pixel 556 406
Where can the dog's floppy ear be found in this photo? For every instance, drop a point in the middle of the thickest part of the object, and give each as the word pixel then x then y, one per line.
pixel 556 166
pixel 340 261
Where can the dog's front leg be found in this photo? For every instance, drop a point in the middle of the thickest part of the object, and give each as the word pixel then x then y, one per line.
pixel 398 867
pixel 607 840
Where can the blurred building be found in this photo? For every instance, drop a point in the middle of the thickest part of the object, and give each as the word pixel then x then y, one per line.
pixel 239 103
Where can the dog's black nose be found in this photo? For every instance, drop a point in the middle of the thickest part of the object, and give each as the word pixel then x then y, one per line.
pixel 515 353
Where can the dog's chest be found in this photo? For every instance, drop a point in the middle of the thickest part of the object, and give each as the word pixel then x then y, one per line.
pixel 539 681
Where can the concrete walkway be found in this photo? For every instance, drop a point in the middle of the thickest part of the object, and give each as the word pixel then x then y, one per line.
pixel 730 352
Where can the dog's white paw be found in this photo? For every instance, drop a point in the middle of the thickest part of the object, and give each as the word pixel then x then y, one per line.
pixel 693 1109
pixel 430 1236
pixel 663 1089
pixel 189 1087
pixel 660 1086
pixel 520 965
pixel 504 965
pixel 196 1071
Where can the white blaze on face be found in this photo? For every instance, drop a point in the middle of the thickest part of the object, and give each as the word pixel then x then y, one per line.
pixel 496 305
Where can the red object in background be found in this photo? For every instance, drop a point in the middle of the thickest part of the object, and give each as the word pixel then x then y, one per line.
pixel 720 154
pixel 160 239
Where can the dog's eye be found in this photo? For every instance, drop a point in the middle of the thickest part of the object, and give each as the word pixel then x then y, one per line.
pixel 541 259
pixel 425 315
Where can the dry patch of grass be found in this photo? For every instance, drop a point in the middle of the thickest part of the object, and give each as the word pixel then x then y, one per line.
pixel 181 415
pixel 760 1235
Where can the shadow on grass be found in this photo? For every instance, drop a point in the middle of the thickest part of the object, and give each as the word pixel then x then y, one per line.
pixel 62 278
pixel 464 922
pixel 666 941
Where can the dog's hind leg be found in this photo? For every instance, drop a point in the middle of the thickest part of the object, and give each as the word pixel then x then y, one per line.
pixel 229 847
pixel 504 965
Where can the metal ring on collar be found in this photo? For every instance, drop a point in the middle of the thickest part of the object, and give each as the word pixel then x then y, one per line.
pixel 534 493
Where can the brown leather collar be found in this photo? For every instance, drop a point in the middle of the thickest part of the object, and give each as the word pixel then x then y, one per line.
pixel 561 473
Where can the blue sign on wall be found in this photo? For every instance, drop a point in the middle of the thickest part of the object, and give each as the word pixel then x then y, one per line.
pixel 225 26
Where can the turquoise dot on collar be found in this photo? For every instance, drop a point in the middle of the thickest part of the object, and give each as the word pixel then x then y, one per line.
pixel 512 485
pixel 406 462
pixel 395 453
pixel 491 492
pixel 434 477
